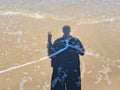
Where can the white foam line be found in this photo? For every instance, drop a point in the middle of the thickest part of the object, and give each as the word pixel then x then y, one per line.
pixel 32 62
pixel 22 13
pixel 39 60
pixel 44 58
pixel 39 16
pixel 19 66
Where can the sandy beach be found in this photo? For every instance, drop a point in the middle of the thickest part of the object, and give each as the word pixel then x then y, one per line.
pixel 24 64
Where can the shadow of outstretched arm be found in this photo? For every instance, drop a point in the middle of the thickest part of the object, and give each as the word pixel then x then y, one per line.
pixel 49 44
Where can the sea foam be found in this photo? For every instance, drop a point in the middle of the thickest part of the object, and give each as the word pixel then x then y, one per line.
pixel 22 13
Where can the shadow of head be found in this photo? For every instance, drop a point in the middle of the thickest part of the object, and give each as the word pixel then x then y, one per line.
pixel 66 30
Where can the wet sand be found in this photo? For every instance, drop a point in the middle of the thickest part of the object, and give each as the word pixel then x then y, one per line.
pixel 26 42
pixel 23 40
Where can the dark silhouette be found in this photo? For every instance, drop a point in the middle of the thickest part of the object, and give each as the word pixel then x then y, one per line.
pixel 66 64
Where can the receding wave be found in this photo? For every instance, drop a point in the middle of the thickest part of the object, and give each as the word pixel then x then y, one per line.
pixel 36 15
pixel 22 13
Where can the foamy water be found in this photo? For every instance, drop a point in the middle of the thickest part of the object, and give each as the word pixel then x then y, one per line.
pixel 88 52
pixel 82 11
pixel 41 59
pixel 36 15
pixel 68 8
pixel 101 67
pixel 21 13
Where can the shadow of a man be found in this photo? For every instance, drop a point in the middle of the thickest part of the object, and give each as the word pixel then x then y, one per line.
pixel 65 61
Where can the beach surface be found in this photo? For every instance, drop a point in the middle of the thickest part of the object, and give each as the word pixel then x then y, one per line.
pixel 24 26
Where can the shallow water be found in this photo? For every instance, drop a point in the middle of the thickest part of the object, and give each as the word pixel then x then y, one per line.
pixel 23 38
